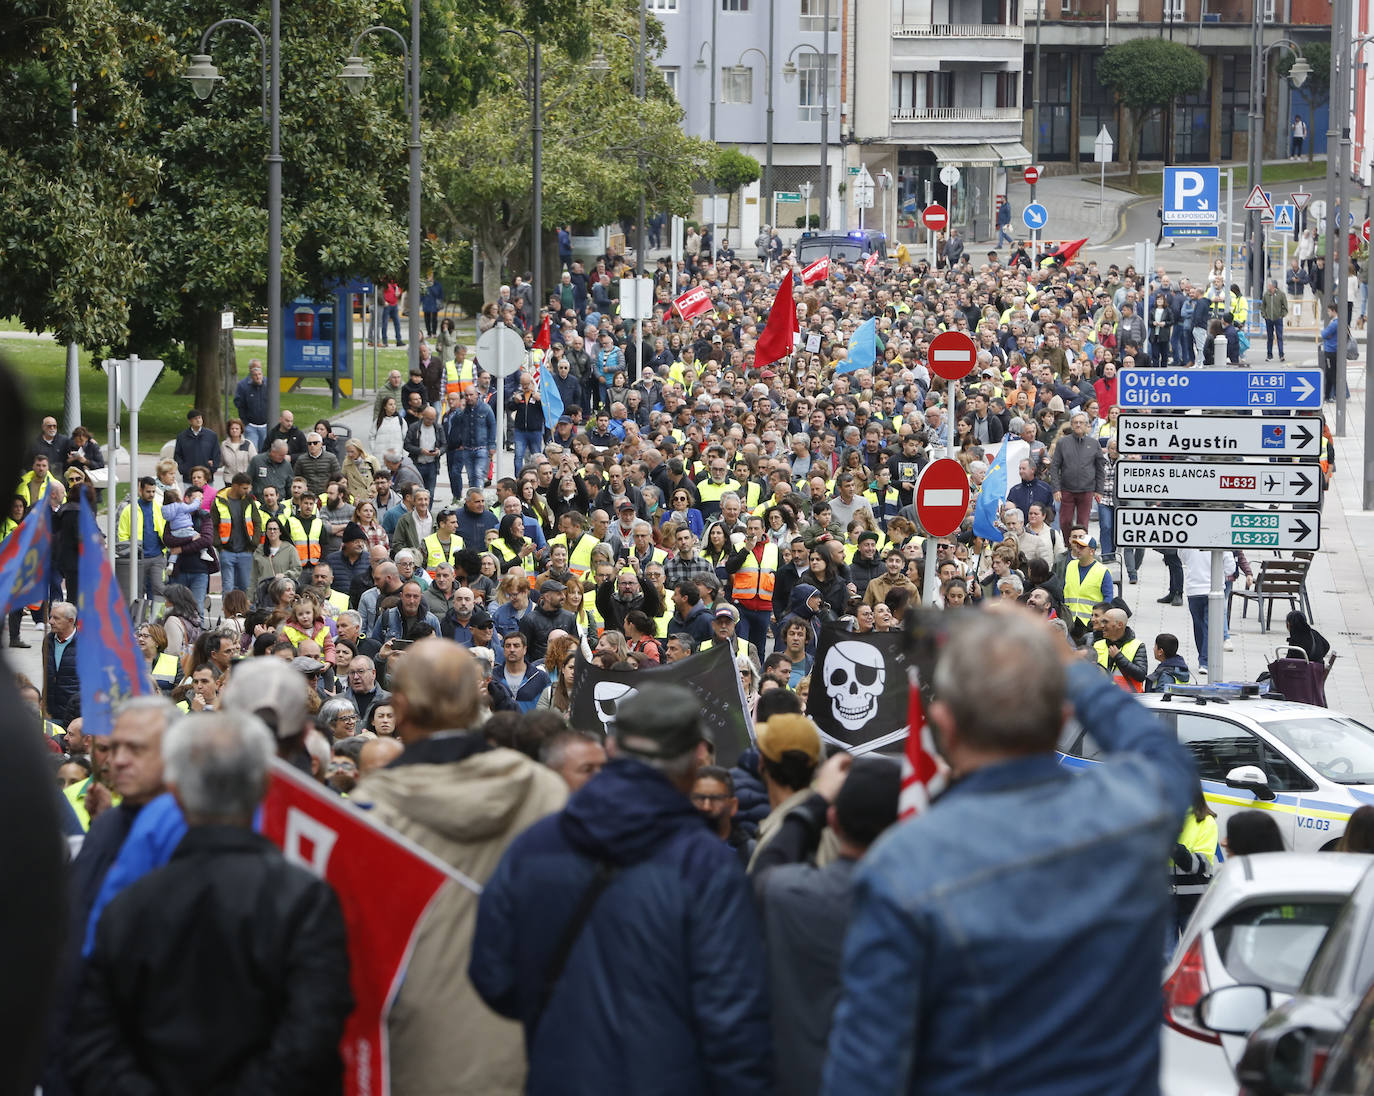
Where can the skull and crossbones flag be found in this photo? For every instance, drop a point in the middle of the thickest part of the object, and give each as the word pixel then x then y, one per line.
pixel 710 674
pixel 858 697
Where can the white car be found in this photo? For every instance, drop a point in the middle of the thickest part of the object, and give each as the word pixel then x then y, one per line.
pixel 1259 923
pixel 1311 767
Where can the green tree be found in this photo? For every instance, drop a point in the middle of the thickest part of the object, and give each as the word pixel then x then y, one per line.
pixel 730 170
pixel 1316 89
pixel 594 130
pixel 1147 75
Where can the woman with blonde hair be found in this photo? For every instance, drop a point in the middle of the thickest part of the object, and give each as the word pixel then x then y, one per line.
pixel 359 468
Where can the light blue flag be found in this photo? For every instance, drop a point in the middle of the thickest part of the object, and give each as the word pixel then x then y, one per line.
pixel 548 393
pixel 987 510
pixel 863 348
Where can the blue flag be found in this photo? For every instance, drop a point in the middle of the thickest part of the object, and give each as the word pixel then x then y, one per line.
pixel 863 348
pixel 108 661
pixel 987 510
pixel 25 557
pixel 549 395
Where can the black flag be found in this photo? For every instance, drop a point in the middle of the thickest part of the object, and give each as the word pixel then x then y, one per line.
pixel 858 696
pixel 711 675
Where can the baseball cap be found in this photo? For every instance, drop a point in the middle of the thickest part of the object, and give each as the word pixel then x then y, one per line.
pixel 271 690
pixel 726 611
pixel 1080 537
pixel 787 732
pixel 868 534
pixel 867 801
pixel 564 419
pixel 307 665
pixel 625 504
pixel 551 586
pixel 480 619
pixel 659 721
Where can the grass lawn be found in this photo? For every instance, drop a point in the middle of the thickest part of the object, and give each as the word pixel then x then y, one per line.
pixel 1152 182
pixel 42 367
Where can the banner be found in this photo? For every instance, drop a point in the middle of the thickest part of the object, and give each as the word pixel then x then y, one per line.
pixel 25 557
pixel 693 303
pixel 111 667
pixel 858 698
pixel 870 262
pixel 320 832
pixel 710 674
pixel 817 271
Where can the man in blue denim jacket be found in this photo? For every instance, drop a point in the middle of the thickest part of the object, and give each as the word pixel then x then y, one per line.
pixel 1007 940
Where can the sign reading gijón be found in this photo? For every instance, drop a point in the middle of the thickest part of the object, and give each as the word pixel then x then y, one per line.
pixel 1190 480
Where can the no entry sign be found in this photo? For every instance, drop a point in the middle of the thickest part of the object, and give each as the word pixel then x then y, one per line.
pixel 935 217
pixel 941 497
pixel 1032 175
pixel 952 355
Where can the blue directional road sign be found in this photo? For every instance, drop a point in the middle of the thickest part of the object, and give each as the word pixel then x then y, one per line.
pixel 1192 195
pixel 1035 215
pixel 1221 389
pixel 1191 232
pixel 1285 216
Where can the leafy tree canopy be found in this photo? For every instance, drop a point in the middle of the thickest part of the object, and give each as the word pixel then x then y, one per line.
pixel 1152 72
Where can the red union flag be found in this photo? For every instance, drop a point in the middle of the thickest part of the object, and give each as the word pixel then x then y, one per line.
pixel 693 303
pixel 871 262
pixel 924 772
pixel 322 833
pixel 817 271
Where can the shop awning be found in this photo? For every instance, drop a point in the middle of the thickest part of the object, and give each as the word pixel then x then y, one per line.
pixel 972 155
pixel 1013 155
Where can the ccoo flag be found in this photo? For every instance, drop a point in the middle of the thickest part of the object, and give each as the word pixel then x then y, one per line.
pixel 817 271
pixel 25 557
pixel 108 661
pixel 693 303
pixel 987 511
pixel 863 348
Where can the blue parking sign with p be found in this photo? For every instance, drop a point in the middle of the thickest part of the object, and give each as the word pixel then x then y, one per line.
pixel 1192 195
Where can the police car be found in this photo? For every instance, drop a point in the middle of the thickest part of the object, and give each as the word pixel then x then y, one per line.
pixel 1311 767
pixel 850 247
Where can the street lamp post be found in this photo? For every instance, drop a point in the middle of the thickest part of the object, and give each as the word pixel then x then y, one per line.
pixel 534 95
pixel 739 70
pixel 789 73
pixel 355 74
pixel 1259 79
pixel 203 76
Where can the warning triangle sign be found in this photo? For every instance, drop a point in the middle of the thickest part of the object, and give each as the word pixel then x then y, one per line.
pixel 1283 218
pixel 1257 200
pixel 1301 198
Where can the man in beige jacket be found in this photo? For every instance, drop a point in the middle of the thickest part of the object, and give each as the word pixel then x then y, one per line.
pixel 464 801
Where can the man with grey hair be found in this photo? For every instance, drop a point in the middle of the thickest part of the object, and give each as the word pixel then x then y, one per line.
pixel 1077 473
pixel 229 912
pixel 317 465
pixel 701 1013
pixel 61 686
pixel 911 1007
pixel 272 469
pixel 402 469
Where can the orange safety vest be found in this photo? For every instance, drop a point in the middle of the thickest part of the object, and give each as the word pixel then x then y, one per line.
pixel 1128 649
pixel 226 521
pixel 307 549
pixel 754 580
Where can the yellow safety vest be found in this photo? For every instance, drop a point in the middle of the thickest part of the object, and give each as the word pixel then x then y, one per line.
pixel 755 578
pixel 122 526
pixel 710 493
pixel 580 555
pixel 31 490
pixel 435 554
pixel 741 646
pixel 337 600
pixel 166 670
pixel 1128 649
pixel 225 521
pixel 306 538
pixel 1081 594
pixel 459 378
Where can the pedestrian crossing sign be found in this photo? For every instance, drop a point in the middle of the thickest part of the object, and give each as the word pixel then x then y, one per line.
pixel 1284 217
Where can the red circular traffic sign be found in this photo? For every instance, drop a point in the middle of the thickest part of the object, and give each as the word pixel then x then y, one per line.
pixel 1032 175
pixel 942 497
pixel 935 217
pixel 952 355
pixel 1365 230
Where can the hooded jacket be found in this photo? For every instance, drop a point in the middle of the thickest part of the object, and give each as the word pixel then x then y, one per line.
pixel 664 989
pixel 464 802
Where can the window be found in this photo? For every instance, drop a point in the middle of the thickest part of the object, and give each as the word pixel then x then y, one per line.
pixel 1273 943
pixel 736 85
pixel 661 5
pixel 809 93
pixel 1218 746
pixel 813 13
pixel 1269 7
pixel 1174 11
pixel 670 77
pixel 914 92
pixel 734 5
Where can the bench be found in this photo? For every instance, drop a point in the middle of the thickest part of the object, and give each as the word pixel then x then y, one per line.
pixel 1278 580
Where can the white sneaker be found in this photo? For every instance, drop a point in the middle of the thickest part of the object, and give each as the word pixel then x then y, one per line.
pixel 1202 671
pixel 1227 645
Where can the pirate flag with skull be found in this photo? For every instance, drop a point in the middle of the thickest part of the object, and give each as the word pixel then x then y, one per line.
pixel 858 697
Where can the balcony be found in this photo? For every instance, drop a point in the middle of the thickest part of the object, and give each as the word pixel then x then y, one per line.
pixel 956 114
pixel 957 30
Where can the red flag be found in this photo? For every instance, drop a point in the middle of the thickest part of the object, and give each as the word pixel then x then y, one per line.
pixel 870 262
pixel 319 831
pixel 693 303
pixel 776 341
pixel 924 772
pixel 817 271
pixel 541 341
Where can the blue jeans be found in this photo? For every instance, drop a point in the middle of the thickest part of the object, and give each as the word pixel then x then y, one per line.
pixel 1272 328
pixel 429 476
pixel 526 442
pixel 754 628
pixel 236 572
pixel 1181 344
pixel 256 434
pixel 1003 234
pixel 475 462
pixel 1106 526
pixel 392 312
pixel 1197 609
pixel 198 584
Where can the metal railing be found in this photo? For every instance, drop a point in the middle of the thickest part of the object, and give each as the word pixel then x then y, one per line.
pixel 957 30
pixel 956 114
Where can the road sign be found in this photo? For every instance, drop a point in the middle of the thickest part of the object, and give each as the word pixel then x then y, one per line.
pixel 1217 481
pixel 1221 389
pixel 935 217
pixel 1365 230
pixel 1285 217
pixel 787 196
pixel 1165 433
pixel 1102 147
pixel 1300 198
pixel 1192 195
pixel 1258 199
pixel 952 355
pixel 949 175
pixel 1192 232
pixel 941 497
pixel 134 384
pixel 500 351
pixel 1031 175
pixel 1267 216
pixel 1196 527
pixel 1035 215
